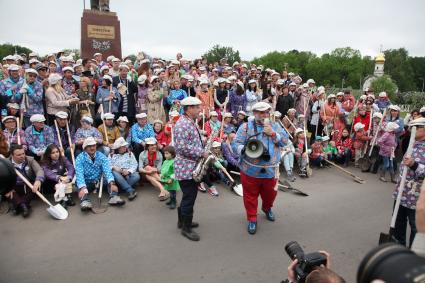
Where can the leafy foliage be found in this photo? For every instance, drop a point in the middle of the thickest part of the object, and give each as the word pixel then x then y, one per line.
pixel 385 83
pixel 398 66
pixel 218 52
pixel 77 54
pixel 415 99
pixel 9 49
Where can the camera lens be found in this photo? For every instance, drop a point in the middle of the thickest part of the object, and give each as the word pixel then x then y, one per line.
pixel 7 175
pixel 294 250
pixel 391 263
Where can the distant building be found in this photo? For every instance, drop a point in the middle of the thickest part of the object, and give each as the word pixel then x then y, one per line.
pixel 378 71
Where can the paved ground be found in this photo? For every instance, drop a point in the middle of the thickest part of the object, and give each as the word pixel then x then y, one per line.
pixel 140 242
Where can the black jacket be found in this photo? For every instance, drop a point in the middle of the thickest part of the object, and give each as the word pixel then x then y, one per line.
pixel 131 96
pixel 284 103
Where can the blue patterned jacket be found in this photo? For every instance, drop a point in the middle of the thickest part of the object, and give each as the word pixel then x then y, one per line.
pixel 38 141
pixel 189 148
pixel 88 171
pixel 273 144
pixel 34 103
pixel 139 134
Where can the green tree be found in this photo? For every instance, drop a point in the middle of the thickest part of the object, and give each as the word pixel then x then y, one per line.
pixel 9 49
pixel 397 65
pixel 385 83
pixel 218 52
pixel 418 65
pixel 77 54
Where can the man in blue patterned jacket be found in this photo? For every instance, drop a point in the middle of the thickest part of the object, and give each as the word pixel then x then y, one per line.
pixel 189 149
pixel 10 88
pixel 89 168
pixel 32 102
pixel 259 175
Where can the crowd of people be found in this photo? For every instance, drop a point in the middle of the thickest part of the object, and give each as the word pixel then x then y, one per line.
pixel 67 125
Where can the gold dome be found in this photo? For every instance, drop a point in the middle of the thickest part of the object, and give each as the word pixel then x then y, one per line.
pixel 380 58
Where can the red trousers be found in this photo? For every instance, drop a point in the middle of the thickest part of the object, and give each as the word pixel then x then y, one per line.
pixel 252 187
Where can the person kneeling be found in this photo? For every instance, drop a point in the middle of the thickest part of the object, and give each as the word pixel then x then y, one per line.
pixel 90 166
pixel 124 167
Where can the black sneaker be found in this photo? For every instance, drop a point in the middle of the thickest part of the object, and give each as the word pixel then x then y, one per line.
pixel 69 201
pixel 132 195
pixel 25 210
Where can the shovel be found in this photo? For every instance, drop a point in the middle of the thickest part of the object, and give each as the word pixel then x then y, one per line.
pixel 99 208
pixel 56 211
pixel 286 186
pixel 386 238
pixel 355 178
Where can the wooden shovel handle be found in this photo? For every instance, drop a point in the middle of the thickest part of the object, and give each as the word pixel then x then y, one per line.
pixel 31 187
pixel 59 138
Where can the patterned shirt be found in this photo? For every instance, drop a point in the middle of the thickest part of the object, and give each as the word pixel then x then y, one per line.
pixel 414 178
pixel 88 170
pixel 189 148
pixel 38 141
pixel 273 145
pixel 70 86
pixel 82 133
pixel 12 137
pixel 139 134
pixel 34 100
pixel 124 161
pixel 9 96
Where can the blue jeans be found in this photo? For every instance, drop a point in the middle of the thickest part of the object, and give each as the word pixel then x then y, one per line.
pixel 126 183
pixel 93 185
pixel 388 164
pixel 288 161
pixel 318 161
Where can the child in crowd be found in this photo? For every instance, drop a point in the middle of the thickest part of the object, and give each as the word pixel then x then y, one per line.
pixel 329 148
pixel 360 139
pixel 167 176
pixel 318 156
pixel 288 160
pixel 387 144
pixel 160 136
pixel 344 145
pixel 300 152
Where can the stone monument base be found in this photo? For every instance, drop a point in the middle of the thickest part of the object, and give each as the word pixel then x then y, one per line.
pixel 100 32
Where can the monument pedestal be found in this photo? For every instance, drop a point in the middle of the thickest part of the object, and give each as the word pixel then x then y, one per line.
pixel 100 32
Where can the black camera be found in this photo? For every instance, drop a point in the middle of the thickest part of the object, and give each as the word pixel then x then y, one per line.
pixel 306 262
pixel 391 263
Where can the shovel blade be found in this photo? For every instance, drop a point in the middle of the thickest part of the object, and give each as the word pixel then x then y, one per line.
pixel 238 190
pixel 58 212
pixel 99 209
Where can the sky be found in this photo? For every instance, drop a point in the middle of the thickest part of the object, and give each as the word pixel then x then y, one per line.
pixel 164 27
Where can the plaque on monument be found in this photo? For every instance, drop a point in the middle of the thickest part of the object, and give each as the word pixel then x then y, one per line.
pixel 100 32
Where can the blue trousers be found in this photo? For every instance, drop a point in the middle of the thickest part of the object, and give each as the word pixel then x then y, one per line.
pixel 388 164
pixel 126 183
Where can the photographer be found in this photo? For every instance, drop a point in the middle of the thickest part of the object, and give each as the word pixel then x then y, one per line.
pixel 320 274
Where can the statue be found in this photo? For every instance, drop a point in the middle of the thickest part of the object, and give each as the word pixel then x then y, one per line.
pixel 100 5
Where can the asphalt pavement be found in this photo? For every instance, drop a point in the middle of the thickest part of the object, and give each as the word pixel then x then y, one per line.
pixel 141 243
